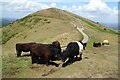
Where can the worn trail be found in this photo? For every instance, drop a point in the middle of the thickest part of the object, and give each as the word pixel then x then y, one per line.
pixel 85 39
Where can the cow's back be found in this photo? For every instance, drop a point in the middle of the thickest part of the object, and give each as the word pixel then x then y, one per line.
pixel 40 50
pixel 72 48
pixel 45 51
pixel 25 47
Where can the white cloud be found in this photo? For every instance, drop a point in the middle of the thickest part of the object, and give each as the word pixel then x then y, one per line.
pixel 115 11
pixel 64 7
pixel 24 5
pixel 79 8
pixel 91 16
pixel 53 5
pixel 74 6
pixel 95 8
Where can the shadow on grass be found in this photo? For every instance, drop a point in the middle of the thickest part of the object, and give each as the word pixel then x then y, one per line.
pixel 43 62
pixel 71 62
pixel 50 63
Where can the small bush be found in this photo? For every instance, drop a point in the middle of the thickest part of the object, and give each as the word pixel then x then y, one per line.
pixel 24 36
pixel 45 20
pixel 105 29
pixel 36 20
pixel 48 22
pixel 7 36
pixel 30 27
pixel 22 24
pixel 27 17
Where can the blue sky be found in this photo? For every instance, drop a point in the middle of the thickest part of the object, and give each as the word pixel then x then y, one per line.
pixel 97 10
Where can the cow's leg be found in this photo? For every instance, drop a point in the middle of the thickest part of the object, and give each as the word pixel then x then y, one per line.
pixel 33 59
pixel 47 62
pixel 19 53
pixel 71 60
pixel 30 53
pixel 76 56
pixel 67 63
pixel 80 55
pixel 40 60
pixel 84 48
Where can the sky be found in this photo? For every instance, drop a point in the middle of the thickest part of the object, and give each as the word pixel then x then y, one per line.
pixel 103 11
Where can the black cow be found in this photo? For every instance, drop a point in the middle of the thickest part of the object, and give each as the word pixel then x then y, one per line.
pixel 45 52
pixel 96 44
pixel 73 49
pixel 25 47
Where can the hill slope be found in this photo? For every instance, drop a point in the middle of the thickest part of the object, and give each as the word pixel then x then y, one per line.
pixel 52 24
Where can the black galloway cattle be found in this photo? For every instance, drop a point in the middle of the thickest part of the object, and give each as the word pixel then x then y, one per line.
pixel 25 47
pixel 73 49
pixel 96 44
pixel 45 52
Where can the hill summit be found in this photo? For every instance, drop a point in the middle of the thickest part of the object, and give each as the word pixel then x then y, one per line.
pixel 51 19
pixel 53 13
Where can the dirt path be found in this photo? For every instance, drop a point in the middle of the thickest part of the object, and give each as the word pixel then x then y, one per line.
pixel 85 39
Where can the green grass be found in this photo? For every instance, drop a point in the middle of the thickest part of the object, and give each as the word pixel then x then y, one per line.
pixel 27 22
pixel 0 66
pixel 7 36
pixel 12 65
pixel 25 18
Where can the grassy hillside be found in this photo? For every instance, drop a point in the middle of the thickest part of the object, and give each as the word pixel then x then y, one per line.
pixel 53 24
pixel 0 53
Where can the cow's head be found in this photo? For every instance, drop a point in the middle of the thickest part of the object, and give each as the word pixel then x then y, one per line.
pixel 57 45
pixel 84 45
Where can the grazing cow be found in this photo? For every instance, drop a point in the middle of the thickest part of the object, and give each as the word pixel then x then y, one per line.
pixel 73 49
pixel 45 52
pixel 96 44
pixel 25 47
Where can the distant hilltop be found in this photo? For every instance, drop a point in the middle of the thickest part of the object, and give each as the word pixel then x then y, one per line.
pixel 113 26
pixel 5 21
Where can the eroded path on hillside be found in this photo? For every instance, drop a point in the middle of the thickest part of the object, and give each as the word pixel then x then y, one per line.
pixel 80 28
pixel 85 39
